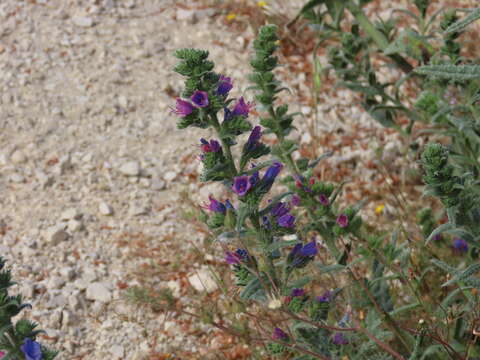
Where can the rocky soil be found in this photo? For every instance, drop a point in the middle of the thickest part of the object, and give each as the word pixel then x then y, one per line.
pixel 93 170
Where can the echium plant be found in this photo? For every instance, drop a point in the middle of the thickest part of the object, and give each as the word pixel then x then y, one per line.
pixel 323 285
pixel 17 341
pixel 268 269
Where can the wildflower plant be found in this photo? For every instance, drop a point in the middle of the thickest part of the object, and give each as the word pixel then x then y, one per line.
pixel 17 341
pixel 315 280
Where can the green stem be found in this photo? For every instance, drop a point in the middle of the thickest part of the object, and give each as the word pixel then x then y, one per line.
pixel 226 147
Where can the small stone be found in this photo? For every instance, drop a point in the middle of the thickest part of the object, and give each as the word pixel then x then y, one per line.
pixel 18 157
pixel 202 280
pixel 137 210
pixel 81 284
pixel 186 15
pixel 17 178
pixel 306 138
pixel 44 179
pixel 158 184
pixel 123 101
pixel 169 175
pixel 74 225
pixel 131 168
pixel 174 286
pixel 74 302
pixel 118 351
pixel 98 291
pixel 145 183
pixel 83 21
pixel 55 282
pixel 105 209
pixel 67 273
pixel 70 214
pixel 56 235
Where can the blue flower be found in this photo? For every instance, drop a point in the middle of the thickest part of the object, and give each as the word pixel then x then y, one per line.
pixel 241 185
pixel 279 209
pixel 460 245
pixel 183 108
pixel 31 349
pixel 253 139
pixel 272 172
pixel 297 292
pixel 216 206
pixel 200 98
pixel 301 254
pixel 339 339
pixel 325 297
pixel 287 221
pixel 279 334
pixel 224 85
pixel 242 108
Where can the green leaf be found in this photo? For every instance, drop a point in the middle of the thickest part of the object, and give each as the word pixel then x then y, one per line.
pixel 299 283
pixel 325 269
pixel 465 274
pixel 320 158
pixel 442 228
pixel 463 23
pixel 451 72
pixel 251 289
pixel 280 245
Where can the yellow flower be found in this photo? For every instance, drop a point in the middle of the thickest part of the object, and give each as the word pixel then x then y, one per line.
pixel 262 3
pixel 379 209
pixel 231 16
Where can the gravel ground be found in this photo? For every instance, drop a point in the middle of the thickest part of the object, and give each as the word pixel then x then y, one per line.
pixel 92 167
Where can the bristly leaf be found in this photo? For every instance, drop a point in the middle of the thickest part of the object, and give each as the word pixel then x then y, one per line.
pixel 451 72
pixel 463 23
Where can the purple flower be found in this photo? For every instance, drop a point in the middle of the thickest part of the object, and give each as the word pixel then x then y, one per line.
pixel 272 172
pixel 241 108
pixel 301 254
pixel 310 249
pixel 295 201
pixel 224 85
pixel 237 257
pixel 216 206
pixel 183 108
pixel 339 339
pixel 460 245
pixel 279 334
pixel 232 258
pixel 252 141
pixel 228 205
pixel 324 200
pixel 200 98
pixel 437 237
pixel 254 178
pixel 31 349
pixel 279 209
pixel 212 146
pixel 287 221
pixel 2 354
pixel 241 185
pixel 298 292
pixel 342 220
pixel 325 297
